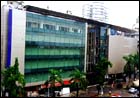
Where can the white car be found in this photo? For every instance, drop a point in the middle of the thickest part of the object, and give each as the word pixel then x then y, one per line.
pixel 132 90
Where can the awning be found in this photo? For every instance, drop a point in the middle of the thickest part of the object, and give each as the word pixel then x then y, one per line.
pixel 66 82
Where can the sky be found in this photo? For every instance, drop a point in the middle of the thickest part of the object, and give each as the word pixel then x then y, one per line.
pixel 120 13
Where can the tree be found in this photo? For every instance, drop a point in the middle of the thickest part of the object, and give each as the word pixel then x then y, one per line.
pixel 129 66
pixel 136 60
pixel 100 70
pixel 132 61
pixel 136 63
pixel 55 77
pixel 78 79
pixel 13 81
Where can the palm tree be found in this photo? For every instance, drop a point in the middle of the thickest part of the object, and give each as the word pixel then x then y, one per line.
pixel 136 63
pixel 101 70
pixel 55 77
pixel 136 60
pixel 78 79
pixel 129 67
pixel 132 61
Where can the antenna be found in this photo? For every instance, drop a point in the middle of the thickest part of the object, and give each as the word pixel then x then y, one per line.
pixel 69 12
pixel 47 7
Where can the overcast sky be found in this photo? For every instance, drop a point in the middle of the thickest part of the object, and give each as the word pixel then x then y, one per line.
pixel 121 13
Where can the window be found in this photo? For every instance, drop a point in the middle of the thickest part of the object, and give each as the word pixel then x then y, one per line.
pixel 113 32
pixel 101 42
pixel 33 24
pixel 50 27
pixel 103 31
pixel 28 24
pixel 74 30
pixel 65 29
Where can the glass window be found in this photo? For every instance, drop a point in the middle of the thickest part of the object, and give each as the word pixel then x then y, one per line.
pixel 74 30
pixel 103 31
pixel 50 27
pixel 113 32
pixel 65 29
pixel 33 24
pixel 28 24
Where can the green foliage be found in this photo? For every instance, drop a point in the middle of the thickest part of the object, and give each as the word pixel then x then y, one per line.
pixel 131 62
pixel 101 69
pixel 55 77
pixel 136 60
pixel 11 77
pixel 78 79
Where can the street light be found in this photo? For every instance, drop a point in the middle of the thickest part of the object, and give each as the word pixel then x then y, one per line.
pixel 48 85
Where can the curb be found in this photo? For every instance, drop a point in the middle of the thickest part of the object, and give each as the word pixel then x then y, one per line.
pixel 94 85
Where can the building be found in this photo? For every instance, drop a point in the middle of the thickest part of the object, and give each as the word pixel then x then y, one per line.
pixel 109 41
pixel 136 28
pixel 44 39
pixel 41 42
pixel 52 42
pixel 97 44
pixel 96 11
pixel 136 25
pixel 120 46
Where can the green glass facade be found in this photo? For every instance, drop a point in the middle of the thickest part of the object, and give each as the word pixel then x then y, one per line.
pixel 52 42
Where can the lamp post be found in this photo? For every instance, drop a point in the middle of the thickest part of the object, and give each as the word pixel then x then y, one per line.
pixel 3 91
pixel 48 91
pixel 48 85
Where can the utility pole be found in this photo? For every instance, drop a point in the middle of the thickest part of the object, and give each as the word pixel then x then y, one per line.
pixel 48 86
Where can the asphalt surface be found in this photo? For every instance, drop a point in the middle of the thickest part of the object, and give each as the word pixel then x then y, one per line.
pixel 92 92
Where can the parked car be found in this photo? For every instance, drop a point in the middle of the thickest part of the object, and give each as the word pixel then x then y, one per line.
pixel 132 90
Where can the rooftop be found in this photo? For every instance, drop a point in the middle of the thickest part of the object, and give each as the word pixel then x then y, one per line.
pixel 76 18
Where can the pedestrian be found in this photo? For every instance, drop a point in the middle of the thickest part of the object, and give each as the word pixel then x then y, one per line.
pixel 135 73
pixel 58 94
pixel 124 77
pixel 98 88
pixel 110 92
pixel 113 84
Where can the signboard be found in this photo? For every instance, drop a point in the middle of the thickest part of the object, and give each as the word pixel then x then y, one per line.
pixel 65 92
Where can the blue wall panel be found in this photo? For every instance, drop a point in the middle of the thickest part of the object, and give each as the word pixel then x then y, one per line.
pixel 9 42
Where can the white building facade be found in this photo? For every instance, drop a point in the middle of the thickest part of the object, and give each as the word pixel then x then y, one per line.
pixel 96 11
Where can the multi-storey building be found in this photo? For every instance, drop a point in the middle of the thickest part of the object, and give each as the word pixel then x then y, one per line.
pixel 136 28
pixel 41 42
pixel 136 25
pixel 108 41
pixel 52 42
pixel 44 39
pixel 96 11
